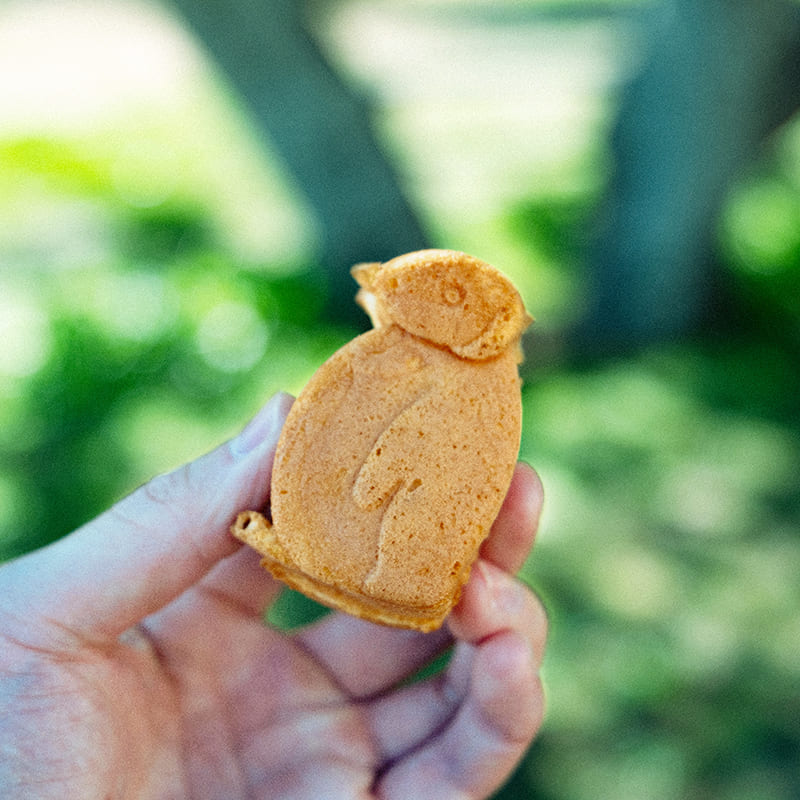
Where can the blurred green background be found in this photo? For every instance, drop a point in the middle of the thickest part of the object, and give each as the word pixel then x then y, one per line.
pixel 182 190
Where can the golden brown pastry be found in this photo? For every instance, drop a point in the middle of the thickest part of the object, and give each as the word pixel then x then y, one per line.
pixel 396 456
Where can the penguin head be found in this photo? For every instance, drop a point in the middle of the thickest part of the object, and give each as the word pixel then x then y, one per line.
pixel 445 297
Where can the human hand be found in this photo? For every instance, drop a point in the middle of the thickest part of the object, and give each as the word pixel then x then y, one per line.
pixel 134 662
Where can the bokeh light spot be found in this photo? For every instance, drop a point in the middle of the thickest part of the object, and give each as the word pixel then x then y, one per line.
pixel 232 337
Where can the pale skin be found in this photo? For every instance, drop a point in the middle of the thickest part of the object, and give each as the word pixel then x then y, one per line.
pixel 134 662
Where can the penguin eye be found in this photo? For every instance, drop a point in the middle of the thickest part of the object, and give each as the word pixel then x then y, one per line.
pixel 453 294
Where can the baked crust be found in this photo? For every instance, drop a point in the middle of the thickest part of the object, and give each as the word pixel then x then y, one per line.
pixel 397 455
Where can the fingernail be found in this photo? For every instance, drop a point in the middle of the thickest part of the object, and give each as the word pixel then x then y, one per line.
pixel 490 594
pixel 511 598
pixel 265 426
pixel 505 596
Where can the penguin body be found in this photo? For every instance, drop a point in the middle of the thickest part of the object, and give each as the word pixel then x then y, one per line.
pixel 397 455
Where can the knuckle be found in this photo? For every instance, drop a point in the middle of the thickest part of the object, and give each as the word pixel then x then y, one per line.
pixel 165 489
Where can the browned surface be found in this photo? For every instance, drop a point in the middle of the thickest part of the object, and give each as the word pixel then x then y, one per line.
pixel 397 455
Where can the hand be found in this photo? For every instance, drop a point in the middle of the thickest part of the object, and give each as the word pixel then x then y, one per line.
pixel 134 662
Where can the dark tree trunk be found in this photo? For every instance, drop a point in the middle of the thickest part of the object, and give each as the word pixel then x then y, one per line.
pixel 319 127
pixel 719 77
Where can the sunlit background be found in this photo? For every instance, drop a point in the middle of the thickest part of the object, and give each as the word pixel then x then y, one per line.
pixel 168 260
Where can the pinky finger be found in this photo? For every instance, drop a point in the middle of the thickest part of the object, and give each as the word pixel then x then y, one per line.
pixel 476 753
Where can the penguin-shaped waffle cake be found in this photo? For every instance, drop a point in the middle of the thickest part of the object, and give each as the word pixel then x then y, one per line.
pixel 397 455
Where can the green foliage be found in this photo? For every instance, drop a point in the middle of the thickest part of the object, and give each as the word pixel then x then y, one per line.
pixel 133 339
pixel 137 335
pixel 760 237
pixel 666 560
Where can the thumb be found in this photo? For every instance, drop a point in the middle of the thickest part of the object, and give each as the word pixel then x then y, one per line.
pixel 151 546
